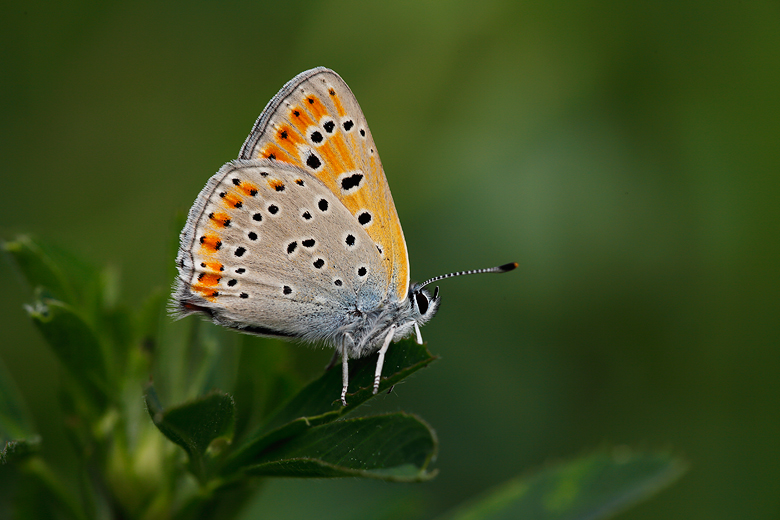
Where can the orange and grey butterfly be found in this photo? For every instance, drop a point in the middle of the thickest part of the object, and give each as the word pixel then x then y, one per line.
pixel 299 238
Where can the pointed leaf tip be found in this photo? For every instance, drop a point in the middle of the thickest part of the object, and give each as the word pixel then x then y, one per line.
pixel 598 485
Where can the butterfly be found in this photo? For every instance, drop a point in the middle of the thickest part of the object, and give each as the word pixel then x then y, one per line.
pixel 299 237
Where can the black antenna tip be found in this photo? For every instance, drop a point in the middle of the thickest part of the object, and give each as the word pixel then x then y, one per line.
pixel 500 269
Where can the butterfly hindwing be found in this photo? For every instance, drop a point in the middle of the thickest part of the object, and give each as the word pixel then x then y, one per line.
pixel 265 231
pixel 316 124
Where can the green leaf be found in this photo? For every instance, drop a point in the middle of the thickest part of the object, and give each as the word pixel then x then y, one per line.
pixel 17 436
pixel 18 450
pixel 395 447
pixel 321 397
pixel 595 486
pixel 195 425
pixel 318 402
pixel 39 268
pixel 15 421
pixel 75 345
pixel 56 272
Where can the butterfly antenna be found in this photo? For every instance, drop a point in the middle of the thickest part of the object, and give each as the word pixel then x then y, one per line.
pixel 500 269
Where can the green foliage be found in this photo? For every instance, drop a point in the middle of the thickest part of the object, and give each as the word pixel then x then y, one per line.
pixel 138 456
pixel 316 405
pixel 77 347
pixel 593 486
pixel 16 432
pixel 395 446
pixel 195 425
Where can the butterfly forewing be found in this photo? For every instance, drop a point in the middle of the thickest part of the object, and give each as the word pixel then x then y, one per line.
pixel 316 124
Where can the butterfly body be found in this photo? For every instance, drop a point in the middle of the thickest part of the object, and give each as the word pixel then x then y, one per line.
pixel 299 237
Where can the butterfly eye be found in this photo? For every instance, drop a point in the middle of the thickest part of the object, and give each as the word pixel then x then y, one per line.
pixel 422 302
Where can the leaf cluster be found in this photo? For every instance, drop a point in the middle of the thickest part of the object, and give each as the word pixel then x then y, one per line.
pixel 186 420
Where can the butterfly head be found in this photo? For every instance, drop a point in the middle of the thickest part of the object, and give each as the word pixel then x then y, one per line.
pixel 424 304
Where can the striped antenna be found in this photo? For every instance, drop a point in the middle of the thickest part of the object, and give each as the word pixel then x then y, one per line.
pixel 500 269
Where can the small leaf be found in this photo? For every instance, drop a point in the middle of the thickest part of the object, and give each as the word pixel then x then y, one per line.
pixel 194 425
pixel 57 273
pixel 75 345
pixel 18 450
pixel 17 436
pixel 15 421
pixel 395 447
pixel 318 402
pixel 39 268
pixel 595 486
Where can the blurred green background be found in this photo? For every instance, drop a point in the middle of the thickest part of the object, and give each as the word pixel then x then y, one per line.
pixel 625 154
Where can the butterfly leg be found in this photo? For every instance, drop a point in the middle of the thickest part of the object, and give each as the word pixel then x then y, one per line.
pixel 381 360
pixel 417 332
pixel 344 373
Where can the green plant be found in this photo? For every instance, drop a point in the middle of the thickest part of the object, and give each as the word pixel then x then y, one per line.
pixel 205 455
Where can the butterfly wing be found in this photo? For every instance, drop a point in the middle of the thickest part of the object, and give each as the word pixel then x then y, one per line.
pixel 316 124
pixel 269 249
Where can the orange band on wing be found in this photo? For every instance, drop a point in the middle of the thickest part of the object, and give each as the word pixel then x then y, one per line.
pixel 276 184
pixel 210 243
pixel 336 101
pixel 300 119
pixel 214 266
pixel 248 188
pixel 207 292
pixel 231 200
pixel 220 219
pixel 271 151
pixel 316 107
pixel 343 151
pixel 288 140
pixel 209 278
